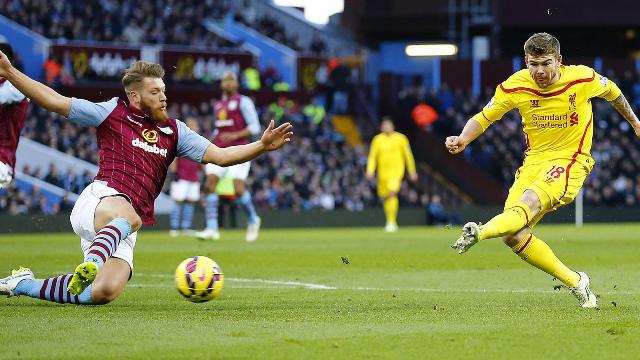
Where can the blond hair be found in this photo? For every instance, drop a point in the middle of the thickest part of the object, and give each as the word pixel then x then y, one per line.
pixel 540 44
pixel 139 70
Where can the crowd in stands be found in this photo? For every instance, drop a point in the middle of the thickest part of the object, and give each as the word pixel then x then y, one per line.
pixel 16 201
pixel 319 170
pixel 614 180
pixel 146 21
pixel 121 21
pixel 268 26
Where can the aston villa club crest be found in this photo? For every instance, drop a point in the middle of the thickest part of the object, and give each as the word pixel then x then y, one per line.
pixel 151 136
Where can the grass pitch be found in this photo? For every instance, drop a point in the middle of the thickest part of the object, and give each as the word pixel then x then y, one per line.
pixel 337 293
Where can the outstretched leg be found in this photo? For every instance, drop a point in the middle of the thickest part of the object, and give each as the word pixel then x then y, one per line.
pixel 114 219
pixel 509 222
pixel 537 253
pixel 108 284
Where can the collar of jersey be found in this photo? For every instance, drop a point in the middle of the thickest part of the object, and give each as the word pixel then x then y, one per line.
pixel 137 112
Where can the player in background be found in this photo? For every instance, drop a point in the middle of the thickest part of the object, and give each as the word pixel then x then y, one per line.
pixel 390 153
pixel 185 190
pixel 14 107
pixel 554 101
pixel 236 121
pixel 137 142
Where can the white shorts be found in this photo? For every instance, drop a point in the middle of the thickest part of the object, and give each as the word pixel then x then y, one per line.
pixel 83 214
pixel 239 171
pixel 6 175
pixel 182 190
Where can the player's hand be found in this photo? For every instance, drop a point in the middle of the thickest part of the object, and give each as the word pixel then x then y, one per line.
pixel 5 65
pixel 413 177
pixel 370 177
pixel 454 144
pixel 274 138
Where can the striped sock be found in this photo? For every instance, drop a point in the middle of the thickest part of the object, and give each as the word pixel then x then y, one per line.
pixel 53 289
pixel 174 218
pixel 106 241
pixel 187 216
pixel 247 206
pixel 212 211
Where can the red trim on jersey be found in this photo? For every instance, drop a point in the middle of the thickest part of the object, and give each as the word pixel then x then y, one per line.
pixel 574 159
pixel 525 244
pixel 486 118
pixel 536 92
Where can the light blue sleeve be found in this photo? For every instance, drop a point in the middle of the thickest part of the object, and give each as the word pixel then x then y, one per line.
pixel 9 94
pixel 250 115
pixel 86 113
pixel 191 145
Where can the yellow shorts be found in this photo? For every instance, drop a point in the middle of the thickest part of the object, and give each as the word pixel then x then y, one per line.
pixel 388 185
pixel 556 182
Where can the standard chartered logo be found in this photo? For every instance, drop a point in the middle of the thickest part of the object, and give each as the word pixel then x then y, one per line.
pixel 154 149
pixel 550 121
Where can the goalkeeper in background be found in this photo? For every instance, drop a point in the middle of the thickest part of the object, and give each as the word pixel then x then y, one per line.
pixel 390 153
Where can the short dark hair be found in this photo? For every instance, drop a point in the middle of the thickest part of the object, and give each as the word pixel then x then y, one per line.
pixel 7 50
pixel 140 70
pixel 540 44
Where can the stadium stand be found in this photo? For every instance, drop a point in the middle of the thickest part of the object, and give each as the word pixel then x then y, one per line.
pixel 104 20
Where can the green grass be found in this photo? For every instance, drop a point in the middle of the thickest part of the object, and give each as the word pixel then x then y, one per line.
pixel 405 295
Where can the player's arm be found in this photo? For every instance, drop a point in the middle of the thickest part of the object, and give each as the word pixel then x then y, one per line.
pixel 410 161
pixel 624 108
pixel 499 105
pixel 472 129
pixel 195 147
pixel 372 159
pixel 37 92
pixel 604 88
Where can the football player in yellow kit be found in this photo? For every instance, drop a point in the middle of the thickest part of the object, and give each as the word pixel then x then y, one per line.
pixel 390 153
pixel 554 101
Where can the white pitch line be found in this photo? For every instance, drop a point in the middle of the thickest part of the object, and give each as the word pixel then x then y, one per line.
pixel 260 281
pixel 283 284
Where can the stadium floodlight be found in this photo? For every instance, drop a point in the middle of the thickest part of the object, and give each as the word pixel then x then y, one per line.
pixel 431 50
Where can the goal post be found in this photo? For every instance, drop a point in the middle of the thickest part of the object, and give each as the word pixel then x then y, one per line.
pixel 580 208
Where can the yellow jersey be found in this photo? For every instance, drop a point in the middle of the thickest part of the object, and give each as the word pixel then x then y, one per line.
pixel 390 154
pixel 558 120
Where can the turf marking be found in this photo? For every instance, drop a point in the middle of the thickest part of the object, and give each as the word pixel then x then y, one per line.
pixel 283 284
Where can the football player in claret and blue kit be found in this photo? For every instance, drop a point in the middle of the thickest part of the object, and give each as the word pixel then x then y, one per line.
pixel 137 142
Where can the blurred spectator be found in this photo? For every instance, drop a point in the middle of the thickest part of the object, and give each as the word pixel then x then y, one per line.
pixel 16 201
pixel 318 46
pixel 144 21
pixel 436 214
pixel 52 69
